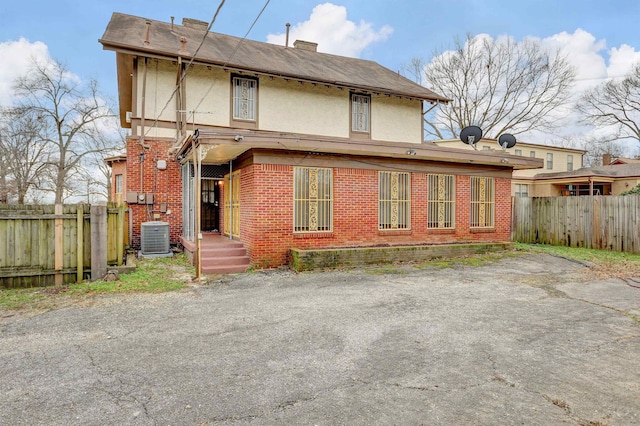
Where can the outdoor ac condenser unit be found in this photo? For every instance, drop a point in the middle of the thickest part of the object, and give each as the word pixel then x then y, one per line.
pixel 154 239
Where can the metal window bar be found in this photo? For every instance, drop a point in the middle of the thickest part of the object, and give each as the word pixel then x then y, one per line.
pixel 313 199
pixel 482 202
pixel 441 201
pixel 360 111
pixel 394 200
pixel 244 99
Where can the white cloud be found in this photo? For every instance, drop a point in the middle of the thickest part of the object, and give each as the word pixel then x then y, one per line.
pixel 621 60
pixel 329 26
pixel 16 57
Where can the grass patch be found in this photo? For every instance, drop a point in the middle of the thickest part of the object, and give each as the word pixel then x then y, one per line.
pixel 154 275
pixel 471 260
pixel 605 263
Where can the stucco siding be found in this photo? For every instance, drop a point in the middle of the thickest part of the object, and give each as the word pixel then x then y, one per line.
pixel 291 106
pixel 396 120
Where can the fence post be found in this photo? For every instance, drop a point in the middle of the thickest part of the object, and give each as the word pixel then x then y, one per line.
pixel 98 241
pixel 80 241
pixel 58 245
pixel 120 232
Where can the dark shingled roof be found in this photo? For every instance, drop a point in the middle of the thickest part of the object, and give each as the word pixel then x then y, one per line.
pixel 614 171
pixel 128 33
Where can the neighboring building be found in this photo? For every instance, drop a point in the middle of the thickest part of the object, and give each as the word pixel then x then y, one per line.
pixel 118 165
pixel 556 159
pixel 601 180
pixel 280 147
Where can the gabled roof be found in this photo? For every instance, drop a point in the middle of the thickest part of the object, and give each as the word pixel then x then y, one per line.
pixel 622 160
pixel 611 171
pixel 135 35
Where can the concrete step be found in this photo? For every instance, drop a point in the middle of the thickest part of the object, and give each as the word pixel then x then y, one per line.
pixel 213 252
pixel 224 269
pixel 225 261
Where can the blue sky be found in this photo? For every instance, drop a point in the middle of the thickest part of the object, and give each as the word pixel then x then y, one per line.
pixel 602 38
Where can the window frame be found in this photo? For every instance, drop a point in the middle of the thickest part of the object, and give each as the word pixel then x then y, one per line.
pixel 304 208
pixel 361 134
pixel 482 199
pixel 549 162
pixel 569 162
pixel 532 154
pixel 440 185
pixel 247 123
pixel 118 183
pixel 518 152
pixel 519 192
pixel 399 203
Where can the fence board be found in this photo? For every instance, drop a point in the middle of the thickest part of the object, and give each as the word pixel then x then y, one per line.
pixel 600 222
pixel 29 238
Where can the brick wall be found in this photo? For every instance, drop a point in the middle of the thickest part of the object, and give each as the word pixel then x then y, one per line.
pixel 165 185
pixel 267 214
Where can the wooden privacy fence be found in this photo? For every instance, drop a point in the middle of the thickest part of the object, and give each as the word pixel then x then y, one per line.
pixel 44 245
pixel 599 222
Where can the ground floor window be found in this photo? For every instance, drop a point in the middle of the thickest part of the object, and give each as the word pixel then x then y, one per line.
pixel 522 190
pixel 482 202
pixel 312 199
pixel 394 200
pixel 441 202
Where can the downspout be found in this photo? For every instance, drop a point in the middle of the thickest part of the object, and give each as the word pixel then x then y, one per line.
pixel 230 200
pixel 197 207
pixel 142 114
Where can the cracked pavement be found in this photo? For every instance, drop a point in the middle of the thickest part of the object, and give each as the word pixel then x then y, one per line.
pixel 525 340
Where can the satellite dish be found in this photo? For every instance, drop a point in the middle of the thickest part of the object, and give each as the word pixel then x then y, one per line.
pixel 507 140
pixel 471 135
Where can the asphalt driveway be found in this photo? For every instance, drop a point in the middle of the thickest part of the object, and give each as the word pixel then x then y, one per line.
pixel 526 340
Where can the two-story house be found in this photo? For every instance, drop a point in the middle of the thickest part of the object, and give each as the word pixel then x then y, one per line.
pixel 525 182
pixel 279 147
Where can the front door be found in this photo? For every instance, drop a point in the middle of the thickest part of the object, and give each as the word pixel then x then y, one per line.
pixel 232 204
pixel 210 205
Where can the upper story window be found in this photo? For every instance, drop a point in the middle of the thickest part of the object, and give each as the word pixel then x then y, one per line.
pixel 549 161
pixel 245 99
pixel 518 152
pixel 532 154
pixel 569 163
pixel 360 114
pixel 486 147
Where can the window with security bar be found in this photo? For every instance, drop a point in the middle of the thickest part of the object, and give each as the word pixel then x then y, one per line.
pixel 244 98
pixel 394 200
pixel 360 113
pixel 482 202
pixel 312 199
pixel 441 207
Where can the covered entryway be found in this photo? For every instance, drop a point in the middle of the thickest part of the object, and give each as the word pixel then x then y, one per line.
pixel 210 205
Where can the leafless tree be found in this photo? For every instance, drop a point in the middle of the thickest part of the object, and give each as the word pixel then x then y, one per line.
pixel 615 104
pixel 498 84
pixel 24 152
pixel 595 147
pixel 72 115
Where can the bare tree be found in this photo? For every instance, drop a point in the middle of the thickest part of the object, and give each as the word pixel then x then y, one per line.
pixel 596 148
pixel 25 154
pixel 499 85
pixel 615 104
pixel 72 115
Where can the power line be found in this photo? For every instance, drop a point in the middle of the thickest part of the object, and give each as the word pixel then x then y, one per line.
pixel 204 37
pixel 232 55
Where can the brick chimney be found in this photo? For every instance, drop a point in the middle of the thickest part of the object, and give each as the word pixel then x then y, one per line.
pixel 196 24
pixel 305 45
pixel 606 159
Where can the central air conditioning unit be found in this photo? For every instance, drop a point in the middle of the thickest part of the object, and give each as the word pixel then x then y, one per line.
pixel 154 239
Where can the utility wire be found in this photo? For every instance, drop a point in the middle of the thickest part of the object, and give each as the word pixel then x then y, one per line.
pixel 204 37
pixel 230 58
